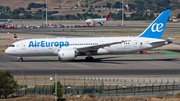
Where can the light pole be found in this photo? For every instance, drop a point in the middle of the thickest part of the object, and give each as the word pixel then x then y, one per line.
pixel 55 86
pixel 46 12
pixel 35 82
pixel 122 13
pixel 55 82
pixel 42 17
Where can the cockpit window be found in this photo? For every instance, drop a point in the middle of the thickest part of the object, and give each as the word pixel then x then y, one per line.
pixel 11 45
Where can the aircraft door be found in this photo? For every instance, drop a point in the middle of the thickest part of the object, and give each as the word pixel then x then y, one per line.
pixel 135 43
pixel 141 45
pixel 23 46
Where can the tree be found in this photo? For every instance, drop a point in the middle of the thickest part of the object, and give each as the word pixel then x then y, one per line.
pixel 7 84
pixel 178 16
pixel 99 11
pixel 79 15
pixel 139 1
pixel 59 89
pixel 36 5
pixel 162 3
pixel 21 10
pixel 108 5
pixel 117 4
pixel 16 12
pixel 87 5
pixel 83 10
pixel 132 6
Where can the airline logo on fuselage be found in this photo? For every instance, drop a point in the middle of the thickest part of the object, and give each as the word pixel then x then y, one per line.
pixel 59 44
pixel 157 27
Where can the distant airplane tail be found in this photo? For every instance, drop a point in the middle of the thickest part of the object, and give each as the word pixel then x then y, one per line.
pixel 156 28
pixel 107 17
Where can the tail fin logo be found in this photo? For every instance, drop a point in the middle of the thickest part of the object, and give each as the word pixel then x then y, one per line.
pixel 157 27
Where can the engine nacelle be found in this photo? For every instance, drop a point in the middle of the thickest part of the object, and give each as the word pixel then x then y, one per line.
pixel 66 54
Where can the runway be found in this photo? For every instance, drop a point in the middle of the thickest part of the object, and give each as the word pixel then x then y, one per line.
pixel 51 31
pixel 56 30
pixel 133 64
pixel 103 66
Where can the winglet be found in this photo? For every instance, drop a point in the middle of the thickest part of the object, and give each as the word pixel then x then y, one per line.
pixel 156 28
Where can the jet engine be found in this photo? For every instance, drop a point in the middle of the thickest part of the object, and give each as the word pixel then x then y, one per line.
pixel 66 54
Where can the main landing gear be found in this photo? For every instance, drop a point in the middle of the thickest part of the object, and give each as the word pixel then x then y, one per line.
pixel 89 59
pixel 20 59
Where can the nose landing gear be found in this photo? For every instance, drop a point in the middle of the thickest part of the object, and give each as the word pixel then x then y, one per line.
pixel 20 59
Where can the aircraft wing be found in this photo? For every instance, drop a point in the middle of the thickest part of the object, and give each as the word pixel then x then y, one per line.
pixel 95 47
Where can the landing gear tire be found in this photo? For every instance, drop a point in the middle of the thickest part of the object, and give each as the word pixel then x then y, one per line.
pixel 89 59
pixel 21 60
pixel 59 59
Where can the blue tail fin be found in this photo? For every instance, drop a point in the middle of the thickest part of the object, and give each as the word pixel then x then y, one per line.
pixel 156 28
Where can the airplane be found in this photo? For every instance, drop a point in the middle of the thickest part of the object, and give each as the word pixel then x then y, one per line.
pixel 69 48
pixel 97 20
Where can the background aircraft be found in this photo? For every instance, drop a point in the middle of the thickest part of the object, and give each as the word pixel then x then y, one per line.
pixel 97 20
pixel 70 48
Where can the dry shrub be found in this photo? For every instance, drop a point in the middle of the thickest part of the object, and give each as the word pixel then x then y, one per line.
pixel 87 98
pixel 177 95
pixel 164 99
pixel 30 97
pixel 91 95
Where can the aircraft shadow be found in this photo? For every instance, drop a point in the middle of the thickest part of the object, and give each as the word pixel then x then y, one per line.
pixel 96 60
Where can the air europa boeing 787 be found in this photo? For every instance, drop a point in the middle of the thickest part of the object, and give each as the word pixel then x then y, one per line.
pixel 70 48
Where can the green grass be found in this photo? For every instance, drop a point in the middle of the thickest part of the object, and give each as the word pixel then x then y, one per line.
pixel 3 46
pixel 2 50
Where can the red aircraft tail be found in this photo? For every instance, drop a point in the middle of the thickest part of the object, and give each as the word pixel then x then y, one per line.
pixel 107 17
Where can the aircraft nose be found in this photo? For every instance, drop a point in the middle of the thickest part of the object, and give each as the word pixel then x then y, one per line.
pixel 7 51
pixel 86 20
pixel 10 51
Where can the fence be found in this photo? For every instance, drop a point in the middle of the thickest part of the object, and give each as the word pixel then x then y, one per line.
pixel 100 86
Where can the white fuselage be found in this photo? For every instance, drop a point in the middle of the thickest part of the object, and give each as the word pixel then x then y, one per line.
pixel 49 46
pixel 69 48
pixel 98 20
